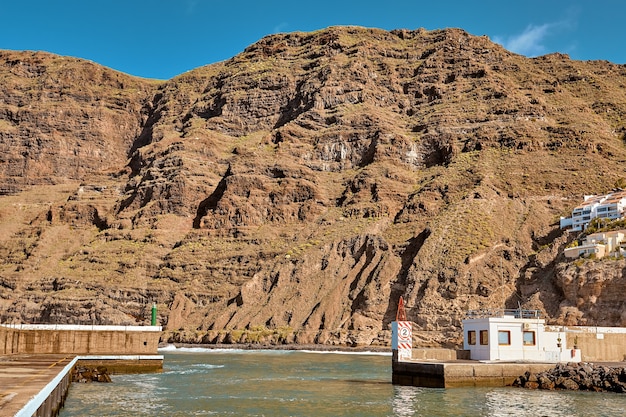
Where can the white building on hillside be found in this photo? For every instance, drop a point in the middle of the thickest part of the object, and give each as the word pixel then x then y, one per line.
pixel 514 335
pixel 600 244
pixel 611 206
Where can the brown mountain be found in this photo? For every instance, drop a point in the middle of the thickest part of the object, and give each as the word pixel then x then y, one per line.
pixel 295 191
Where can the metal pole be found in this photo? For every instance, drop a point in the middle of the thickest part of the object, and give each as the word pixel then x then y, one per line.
pixel 153 322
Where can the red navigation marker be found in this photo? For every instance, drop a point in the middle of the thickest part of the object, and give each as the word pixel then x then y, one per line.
pixel 401 313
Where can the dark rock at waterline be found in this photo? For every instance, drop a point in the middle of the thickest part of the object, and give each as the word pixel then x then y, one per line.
pixel 90 374
pixel 577 377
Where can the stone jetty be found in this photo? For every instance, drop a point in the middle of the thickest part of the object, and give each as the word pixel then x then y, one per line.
pixel 576 376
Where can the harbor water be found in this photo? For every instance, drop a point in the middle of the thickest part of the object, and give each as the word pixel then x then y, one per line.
pixel 204 382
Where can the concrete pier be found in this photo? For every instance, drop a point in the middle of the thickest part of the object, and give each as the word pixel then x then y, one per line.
pixel 77 340
pixel 461 373
pixel 34 384
pixel 125 364
pixel 36 361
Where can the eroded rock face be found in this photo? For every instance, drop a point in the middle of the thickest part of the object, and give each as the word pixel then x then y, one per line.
pixel 592 292
pixel 293 193
pixel 62 118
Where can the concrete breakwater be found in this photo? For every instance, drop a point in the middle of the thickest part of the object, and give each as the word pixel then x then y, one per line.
pixel 36 385
pixel 580 376
pixel 460 373
pixel 36 361
pixel 78 339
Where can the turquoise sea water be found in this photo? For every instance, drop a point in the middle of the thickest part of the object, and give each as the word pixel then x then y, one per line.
pixel 197 382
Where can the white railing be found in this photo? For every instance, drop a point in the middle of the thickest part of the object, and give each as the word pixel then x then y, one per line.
pixel 84 327
pixel 517 313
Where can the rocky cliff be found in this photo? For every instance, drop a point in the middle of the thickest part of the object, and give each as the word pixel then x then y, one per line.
pixel 294 192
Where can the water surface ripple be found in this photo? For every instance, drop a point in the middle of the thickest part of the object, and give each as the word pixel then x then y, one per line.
pixel 200 382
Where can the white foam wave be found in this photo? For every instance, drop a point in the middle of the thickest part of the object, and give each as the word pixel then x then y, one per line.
pixel 207 366
pixel 349 352
pixel 168 348
pixel 205 350
pixel 173 348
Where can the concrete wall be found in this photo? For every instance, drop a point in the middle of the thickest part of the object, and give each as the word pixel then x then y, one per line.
pixel 439 354
pixel 600 346
pixel 461 374
pixel 124 364
pixel 80 340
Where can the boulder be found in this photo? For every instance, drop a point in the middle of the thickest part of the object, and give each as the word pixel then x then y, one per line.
pixel 578 377
pixel 90 374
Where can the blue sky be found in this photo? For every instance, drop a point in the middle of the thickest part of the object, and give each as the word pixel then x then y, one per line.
pixel 164 38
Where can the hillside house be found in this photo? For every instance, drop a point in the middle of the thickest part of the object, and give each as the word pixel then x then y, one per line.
pixel 600 244
pixel 610 206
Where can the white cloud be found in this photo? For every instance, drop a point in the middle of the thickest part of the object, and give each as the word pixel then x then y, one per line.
pixel 281 27
pixel 530 42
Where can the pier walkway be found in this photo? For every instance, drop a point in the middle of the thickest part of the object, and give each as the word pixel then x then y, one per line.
pixel 23 377
pixel 36 360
